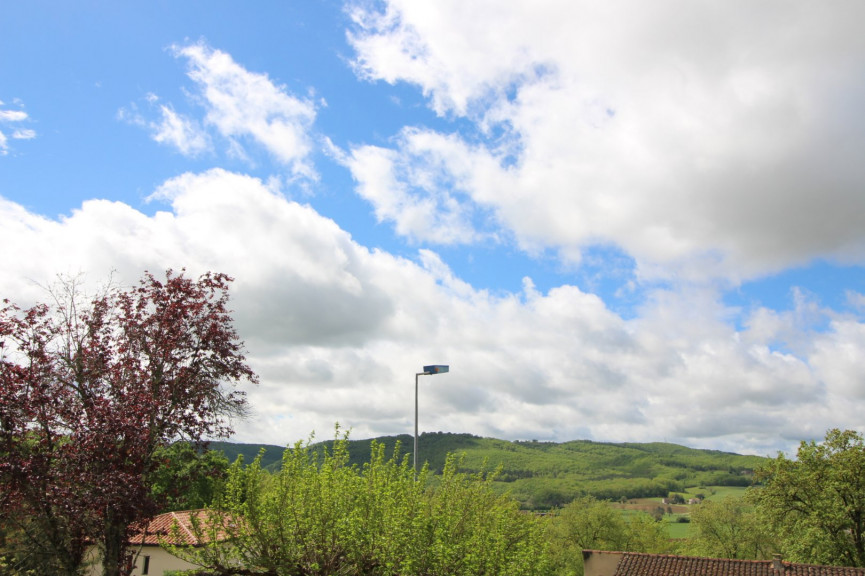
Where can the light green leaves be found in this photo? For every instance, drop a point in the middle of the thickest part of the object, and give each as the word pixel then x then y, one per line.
pixel 816 503
pixel 319 515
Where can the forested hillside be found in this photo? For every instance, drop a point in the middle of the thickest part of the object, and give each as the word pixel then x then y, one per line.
pixel 545 474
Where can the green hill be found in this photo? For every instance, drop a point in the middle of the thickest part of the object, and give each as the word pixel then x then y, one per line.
pixel 546 474
pixel 270 459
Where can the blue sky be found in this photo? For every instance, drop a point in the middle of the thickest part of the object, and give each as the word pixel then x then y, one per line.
pixel 619 222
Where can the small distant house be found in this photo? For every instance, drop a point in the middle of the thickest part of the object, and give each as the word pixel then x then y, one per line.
pixel 151 559
pixel 598 563
pixel 694 500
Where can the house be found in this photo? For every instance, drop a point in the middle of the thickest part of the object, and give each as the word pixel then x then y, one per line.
pixel 150 558
pixel 598 563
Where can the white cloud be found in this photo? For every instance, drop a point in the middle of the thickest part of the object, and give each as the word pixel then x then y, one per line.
pixel 422 187
pixel 337 331
pixel 10 117
pixel 856 300
pixel 245 105
pixel 240 107
pixel 704 140
pixel 172 129
pixel 180 132
pixel 24 134
pixel 837 354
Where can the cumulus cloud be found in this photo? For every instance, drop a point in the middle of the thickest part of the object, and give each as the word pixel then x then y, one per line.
pixel 337 331
pixel 704 140
pixel 707 144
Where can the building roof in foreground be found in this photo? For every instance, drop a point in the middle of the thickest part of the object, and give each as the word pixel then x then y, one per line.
pixel 176 529
pixel 637 564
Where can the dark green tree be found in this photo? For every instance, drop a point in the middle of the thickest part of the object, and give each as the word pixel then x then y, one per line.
pixel 816 503
pixel 186 477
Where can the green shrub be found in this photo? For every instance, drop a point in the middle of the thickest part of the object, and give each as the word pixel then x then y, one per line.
pixel 320 515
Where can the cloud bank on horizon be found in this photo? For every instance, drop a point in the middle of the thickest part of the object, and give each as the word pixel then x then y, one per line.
pixel 677 188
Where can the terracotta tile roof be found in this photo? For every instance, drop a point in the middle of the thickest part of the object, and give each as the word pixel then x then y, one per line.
pixel 635 564
pixel 160 530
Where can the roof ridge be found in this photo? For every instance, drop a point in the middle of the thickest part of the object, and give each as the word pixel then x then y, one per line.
pixel 191 538
pixel 647 564
pixel 668 555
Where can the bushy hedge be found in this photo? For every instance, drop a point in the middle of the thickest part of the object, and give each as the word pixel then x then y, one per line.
pixel 320 515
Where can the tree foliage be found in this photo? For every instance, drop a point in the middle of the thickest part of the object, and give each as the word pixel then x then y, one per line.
pixel 320 515
pixel 186 477
pixel 816 503
pixel 591 524
pixel 89 391
pixel 728 528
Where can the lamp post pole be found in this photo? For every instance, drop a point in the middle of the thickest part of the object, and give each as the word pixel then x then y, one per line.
pixel 427 370
pixel 415 420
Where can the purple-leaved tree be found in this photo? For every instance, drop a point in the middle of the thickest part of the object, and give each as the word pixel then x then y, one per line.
pixel 87 395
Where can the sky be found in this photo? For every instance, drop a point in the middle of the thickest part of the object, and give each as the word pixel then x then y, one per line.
pixel 619 221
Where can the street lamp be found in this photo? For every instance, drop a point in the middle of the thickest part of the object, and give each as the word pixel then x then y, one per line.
pixel 427 371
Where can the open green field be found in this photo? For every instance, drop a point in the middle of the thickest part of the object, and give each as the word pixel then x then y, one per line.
pixel 719 492
pixel 678 530
pixel 708 493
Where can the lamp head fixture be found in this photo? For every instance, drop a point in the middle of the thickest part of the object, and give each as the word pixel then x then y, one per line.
pixel 436 369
